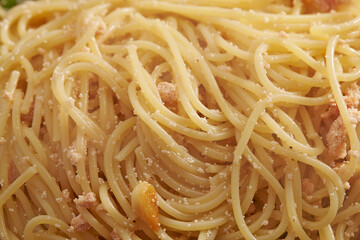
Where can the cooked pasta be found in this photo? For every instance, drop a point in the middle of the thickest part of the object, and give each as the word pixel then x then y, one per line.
pixel 231 119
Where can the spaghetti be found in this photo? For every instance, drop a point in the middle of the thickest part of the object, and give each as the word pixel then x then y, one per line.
pixel 180 120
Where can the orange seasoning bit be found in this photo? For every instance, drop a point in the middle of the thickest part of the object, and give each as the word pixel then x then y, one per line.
pixel 145 205
pixel 168 94
pixel 323 5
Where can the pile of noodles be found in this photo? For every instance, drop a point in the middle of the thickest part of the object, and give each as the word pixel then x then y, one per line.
pixel 242 115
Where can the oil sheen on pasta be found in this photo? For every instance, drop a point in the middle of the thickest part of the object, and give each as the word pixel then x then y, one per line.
pixel 180 120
